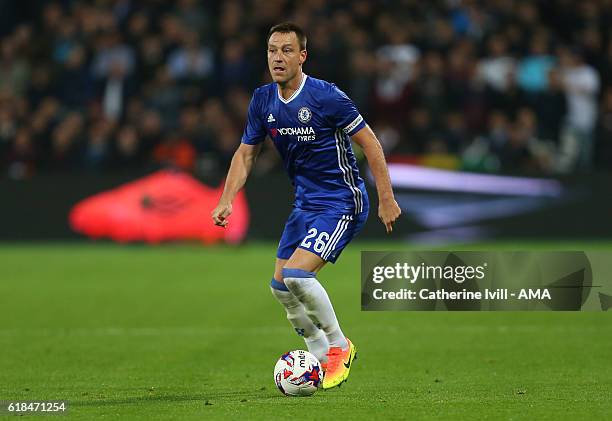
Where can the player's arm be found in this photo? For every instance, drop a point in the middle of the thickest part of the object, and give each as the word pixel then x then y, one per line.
pixel 388 209
pixel 240 168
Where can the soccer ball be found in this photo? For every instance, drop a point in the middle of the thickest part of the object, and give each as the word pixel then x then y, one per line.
pixel 298 373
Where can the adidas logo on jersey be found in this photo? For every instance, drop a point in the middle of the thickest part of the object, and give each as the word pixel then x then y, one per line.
pixel 271 119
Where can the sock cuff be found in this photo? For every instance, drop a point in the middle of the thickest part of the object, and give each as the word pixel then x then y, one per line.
pixel 274 284
pixel 297 273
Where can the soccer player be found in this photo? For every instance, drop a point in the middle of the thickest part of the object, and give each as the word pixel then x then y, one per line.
pixel 311 122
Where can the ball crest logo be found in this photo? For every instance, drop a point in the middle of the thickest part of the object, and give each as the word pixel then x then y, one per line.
pixel 304 115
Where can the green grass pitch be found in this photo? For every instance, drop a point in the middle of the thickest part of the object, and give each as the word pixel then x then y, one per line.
pixel 188 332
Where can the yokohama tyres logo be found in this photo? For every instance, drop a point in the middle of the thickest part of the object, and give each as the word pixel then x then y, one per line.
pixel 296 131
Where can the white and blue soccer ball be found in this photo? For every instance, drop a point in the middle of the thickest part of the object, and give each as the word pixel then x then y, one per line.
pixel 298 373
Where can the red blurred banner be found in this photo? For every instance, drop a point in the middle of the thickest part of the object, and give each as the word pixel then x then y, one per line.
pixel 163 206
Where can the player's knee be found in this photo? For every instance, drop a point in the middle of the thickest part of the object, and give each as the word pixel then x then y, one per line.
pixel 292 273
pixel 276 285
pixel 295 279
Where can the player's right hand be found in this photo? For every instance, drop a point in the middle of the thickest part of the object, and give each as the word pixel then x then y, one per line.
pixel 220 214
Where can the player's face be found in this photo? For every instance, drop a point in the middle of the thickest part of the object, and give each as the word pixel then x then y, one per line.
pixel 284 56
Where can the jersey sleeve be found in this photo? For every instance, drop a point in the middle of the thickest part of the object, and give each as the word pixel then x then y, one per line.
pixel 254 132
pixel 344 113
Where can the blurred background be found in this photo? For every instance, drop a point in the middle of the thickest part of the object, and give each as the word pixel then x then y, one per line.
pixel 496 120
pixel 495 116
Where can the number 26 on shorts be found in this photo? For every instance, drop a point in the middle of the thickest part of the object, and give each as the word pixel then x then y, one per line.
pixel 320 241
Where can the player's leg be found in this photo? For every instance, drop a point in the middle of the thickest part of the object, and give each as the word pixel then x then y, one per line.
pixel 299 275
pixel 329 235
pixel 315 338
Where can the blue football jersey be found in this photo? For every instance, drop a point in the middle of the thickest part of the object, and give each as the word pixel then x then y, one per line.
pixel 311 131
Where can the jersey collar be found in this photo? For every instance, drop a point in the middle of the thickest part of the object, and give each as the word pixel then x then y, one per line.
pixel 295 94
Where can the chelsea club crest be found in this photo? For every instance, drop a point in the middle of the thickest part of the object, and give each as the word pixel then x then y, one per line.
pixel 304 114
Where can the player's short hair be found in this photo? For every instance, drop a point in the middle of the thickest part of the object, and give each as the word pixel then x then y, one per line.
pixel 287 28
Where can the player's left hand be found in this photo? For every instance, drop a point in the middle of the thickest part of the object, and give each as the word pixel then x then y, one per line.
pixel 388 212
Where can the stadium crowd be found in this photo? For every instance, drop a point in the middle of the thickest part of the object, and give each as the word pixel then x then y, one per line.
pixel 497 85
